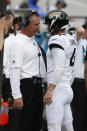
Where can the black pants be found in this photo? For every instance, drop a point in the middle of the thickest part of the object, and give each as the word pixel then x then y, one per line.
pixel 13 114
pixel 30 117
pixel 85 113
pixel 6 88
pixel 78 104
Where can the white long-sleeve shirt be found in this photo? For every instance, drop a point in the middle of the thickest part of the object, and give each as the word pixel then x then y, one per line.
pixel 25 62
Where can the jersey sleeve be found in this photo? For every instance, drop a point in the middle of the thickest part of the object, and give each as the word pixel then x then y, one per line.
pixel 56 42
pixel 55 60
pixel 58 61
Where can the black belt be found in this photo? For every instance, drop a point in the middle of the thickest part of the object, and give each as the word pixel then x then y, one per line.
pixel 36 80
pixel 79 79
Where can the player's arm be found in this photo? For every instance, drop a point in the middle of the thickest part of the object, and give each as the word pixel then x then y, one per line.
pixel 58 60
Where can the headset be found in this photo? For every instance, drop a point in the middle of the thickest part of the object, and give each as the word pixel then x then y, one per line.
pixel 25 19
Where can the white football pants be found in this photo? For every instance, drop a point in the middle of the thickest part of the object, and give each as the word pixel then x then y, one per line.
pixel 59 113
pixel 58 127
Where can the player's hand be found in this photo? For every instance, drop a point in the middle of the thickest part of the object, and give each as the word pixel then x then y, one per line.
pixel 18 103
pixel 48 96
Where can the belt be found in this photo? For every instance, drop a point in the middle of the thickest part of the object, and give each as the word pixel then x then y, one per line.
pixel 36 80
pixel 80 79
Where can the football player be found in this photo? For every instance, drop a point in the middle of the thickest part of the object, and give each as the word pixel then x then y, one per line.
pixel 60 62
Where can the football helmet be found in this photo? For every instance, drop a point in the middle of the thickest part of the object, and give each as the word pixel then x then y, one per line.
pixel 56 20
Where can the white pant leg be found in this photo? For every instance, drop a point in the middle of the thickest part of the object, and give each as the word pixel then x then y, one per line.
pixel 57 127
pixel 55 111
pixel 59 110
pixel 68 127
pixel 67 118
pixel 54 127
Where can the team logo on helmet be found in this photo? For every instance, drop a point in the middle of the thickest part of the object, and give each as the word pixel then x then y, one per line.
pixel 54 14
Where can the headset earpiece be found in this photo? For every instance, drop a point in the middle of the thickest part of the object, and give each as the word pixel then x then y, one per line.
pixel 25 21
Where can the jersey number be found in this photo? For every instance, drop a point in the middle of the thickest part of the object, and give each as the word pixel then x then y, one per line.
pixel 72 59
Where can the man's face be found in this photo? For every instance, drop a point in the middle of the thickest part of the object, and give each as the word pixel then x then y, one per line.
pixel 33 26
pixel 60 6
pixel 11 21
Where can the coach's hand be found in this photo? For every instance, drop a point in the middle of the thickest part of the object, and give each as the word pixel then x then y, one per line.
pixel 10 102
pixel 18 103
